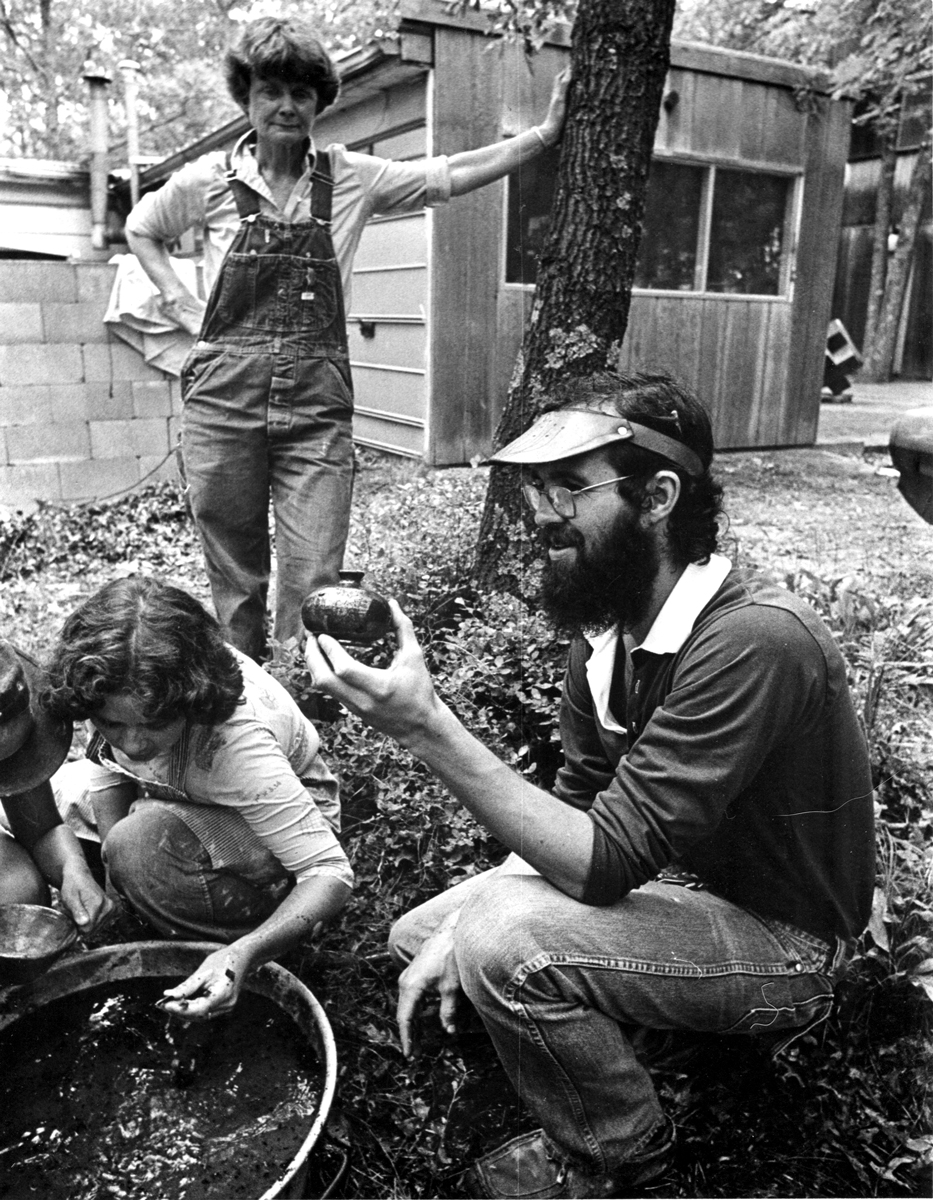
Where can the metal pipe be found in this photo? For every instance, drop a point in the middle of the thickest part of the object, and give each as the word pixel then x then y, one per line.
pixel 98 82
pixel 130 70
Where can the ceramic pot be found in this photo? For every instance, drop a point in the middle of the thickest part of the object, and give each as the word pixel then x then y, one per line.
pixel 347 611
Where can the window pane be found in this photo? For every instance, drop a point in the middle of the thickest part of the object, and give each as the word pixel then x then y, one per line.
pixel 530 196
pixel 667 252
pixel 747 234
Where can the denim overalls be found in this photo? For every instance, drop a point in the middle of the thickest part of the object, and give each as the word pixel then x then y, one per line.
pixel 268 405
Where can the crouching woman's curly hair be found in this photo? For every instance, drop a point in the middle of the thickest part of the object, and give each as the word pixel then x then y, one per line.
pixel 150 640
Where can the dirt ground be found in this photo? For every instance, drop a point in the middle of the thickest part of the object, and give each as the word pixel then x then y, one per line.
pixel 816 509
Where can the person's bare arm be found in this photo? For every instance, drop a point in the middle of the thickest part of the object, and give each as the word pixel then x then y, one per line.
pixel 111 806
pixel 215 986
pixel 36 824
pixel 179 304
pixel 554 838
pixel 473 168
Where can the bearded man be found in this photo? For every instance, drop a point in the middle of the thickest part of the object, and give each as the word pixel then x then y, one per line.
pixel 705 861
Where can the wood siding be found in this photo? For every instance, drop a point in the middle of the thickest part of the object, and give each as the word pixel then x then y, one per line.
pixel 483 91
pixel 444 330
pixel 824 174
pixel 387 321
pixel 757 362
pixel 387 334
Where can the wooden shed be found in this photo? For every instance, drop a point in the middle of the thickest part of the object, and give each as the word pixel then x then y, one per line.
pixel 45 209
pixel 736 269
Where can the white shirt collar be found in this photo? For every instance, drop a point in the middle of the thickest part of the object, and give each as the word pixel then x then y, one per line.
pixel 689 596
pixel 243 161
pixel 669 630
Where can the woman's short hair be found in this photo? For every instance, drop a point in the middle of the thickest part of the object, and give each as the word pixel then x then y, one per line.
pixel 148 639
pixel 286 49
pixel 655 400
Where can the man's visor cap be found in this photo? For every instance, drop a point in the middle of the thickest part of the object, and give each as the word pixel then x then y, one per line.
pixel 566 432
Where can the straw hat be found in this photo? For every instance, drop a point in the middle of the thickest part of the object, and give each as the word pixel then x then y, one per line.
pixel 33 745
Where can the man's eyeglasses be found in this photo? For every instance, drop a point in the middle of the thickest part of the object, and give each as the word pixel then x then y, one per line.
pixel 561 499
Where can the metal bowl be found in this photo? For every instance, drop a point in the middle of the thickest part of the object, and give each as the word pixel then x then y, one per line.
pixel 140 960
pixel 32 937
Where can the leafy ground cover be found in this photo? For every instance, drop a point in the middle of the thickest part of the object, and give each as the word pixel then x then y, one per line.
pixel 844 1112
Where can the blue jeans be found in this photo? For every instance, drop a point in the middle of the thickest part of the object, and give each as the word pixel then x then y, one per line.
pixel 260 424
pixel 193 871
pixel 190 870
pixel 560 986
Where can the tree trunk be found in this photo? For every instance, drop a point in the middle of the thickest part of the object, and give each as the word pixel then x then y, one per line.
pixel 619 59
pixel 879 356
pixel 879 250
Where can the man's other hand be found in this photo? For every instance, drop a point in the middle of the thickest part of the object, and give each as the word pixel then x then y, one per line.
pixel 433 969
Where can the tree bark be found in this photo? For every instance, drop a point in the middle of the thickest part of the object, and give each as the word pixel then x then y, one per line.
pixel 879 250
pixel 620 54
pixel 879 356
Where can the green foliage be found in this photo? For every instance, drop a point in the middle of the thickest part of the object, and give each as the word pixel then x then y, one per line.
pixel 179 47
pixel 858 1086
pixel 153 523
pixel 877 50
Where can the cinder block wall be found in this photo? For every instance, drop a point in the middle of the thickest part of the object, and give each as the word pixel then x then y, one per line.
pixel 82 416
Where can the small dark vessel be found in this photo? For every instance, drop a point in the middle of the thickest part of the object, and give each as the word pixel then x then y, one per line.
pixel 347 611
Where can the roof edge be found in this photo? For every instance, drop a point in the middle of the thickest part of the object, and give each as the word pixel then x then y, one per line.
pixel 698 56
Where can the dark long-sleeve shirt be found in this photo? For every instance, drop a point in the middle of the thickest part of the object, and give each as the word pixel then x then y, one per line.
pixel 729 746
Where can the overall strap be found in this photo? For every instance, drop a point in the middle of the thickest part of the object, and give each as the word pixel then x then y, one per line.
pixel 322 187
pixel 95 745
pixel 178 763
pixel 246 200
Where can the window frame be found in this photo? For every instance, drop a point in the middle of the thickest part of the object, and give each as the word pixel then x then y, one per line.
pixel 709 163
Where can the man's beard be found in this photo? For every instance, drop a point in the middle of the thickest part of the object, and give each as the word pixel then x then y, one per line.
pixel 606 584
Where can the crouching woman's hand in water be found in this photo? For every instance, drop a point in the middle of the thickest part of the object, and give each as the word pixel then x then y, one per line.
pixel 213 989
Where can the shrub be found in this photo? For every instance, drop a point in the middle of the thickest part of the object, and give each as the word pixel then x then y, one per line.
pixel 858 1085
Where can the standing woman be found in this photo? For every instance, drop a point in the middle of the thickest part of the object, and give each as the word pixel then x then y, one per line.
pixel 267 388
pixel 202 782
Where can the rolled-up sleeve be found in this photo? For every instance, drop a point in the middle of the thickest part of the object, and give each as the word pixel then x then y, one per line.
pixel 392 186
pixel 99 778
pixel 179 205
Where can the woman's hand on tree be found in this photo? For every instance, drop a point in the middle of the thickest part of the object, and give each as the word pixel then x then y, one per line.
pixel 552 126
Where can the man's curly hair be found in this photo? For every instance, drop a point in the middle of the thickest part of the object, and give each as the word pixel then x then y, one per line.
pixel 148 639
pixel 656 401
pixel 280 48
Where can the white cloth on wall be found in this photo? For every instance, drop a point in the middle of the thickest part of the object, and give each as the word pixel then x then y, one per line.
pixel 135 313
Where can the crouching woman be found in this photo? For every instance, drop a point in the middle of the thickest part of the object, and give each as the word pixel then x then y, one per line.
pixel 202 781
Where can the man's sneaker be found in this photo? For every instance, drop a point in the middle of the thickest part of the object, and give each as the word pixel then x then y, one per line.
pixel 531 1168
